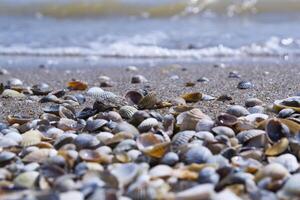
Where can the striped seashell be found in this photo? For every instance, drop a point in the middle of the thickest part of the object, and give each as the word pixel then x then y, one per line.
pixel 30 138
pixel 181 139
pixel 105 95
pixel 245 136
pixel 148 101
pixel 94 91
pixel 127 111
pixel 148 124
pixel 189 119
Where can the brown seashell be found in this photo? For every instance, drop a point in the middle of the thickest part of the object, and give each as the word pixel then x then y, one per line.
pixel 118 137
pixel 225 119
pixel 90 155
pixel 64 112
pixel 151 145
pixel 291 102
pixel 77 85
pixel 276 130
pixel 30 138
pixel 68 124
pixel 148 124
pixel 17 119
pixel 133 97
pixel 278 148
pixel 192 97
pixel 148 101
pixel 190 84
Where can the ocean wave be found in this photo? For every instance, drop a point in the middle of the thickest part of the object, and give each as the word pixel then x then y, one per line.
pixel 271 48
pixel 145 8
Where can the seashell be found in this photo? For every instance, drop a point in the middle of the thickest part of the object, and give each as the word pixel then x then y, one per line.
pixel 203 191
pixel 192 97
pixel 237 111
pixel 252 137
pixel 50 117
pixel 139 116
pixel 294 127
pixel 274 170
pixel 14 82
pixel 77 85
pixel 7 142
pixel 244 85
pixel 148 101
pixel 278 148
pixel 90 155
pixel 127 111
pixel 133 97
pixel 225 119
pixel 148 124
pixel 251 102
pixel 86 141
pixel 181 139
pixel 131 68
pixel 3 71
pixel 255 118
pixel 284 113
pixel 234 74
pixel 256 109
pixel 138 79
pixel 17 119
pixel 50 98
pixel 206 97
pixel 290 190
pixel 14 136
pixel 189 119
pixel 39 156
pixel 152 145
pixel 203 79
pixel 125 146
pixel 94 125
pixel 224 97
pixel 204 125
pixel 126 127
pixel 86 113
pixel 41 89
pixel 291 102
pixel 5 157
pixel 118 137
pixel 8 93
pixel 204 135
pixel 31 138
pixel 26 179
pixel 125 173
pixel 208 175
pixel 170 159
pixel 195 154
pixel 178 101
pixel 161 171
pixel 94 92
pixel 107 101
pixel 104 78
pixel 71 195
pixel 66 124
pixel 190 84
pixel 52 109
pixel 64 112
pixel 276 130
pixel 289 161
pixel 223 130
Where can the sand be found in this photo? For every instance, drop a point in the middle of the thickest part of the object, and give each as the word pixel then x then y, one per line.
pixel 272 80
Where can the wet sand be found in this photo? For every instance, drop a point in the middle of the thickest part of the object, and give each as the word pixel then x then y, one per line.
pixel 271 81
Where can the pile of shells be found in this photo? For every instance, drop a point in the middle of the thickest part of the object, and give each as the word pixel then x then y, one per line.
pixel 137 146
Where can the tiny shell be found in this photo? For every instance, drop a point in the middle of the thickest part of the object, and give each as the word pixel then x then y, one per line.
pixel 275 171
pixel 148 124
pixel 133 97
pixel 94 91
pixel 192 97
pixel 245 85
pixel 77 85
pixel 12 94
pixel 148 101
pixel 127 111
pixel 138 79
pixel 237 111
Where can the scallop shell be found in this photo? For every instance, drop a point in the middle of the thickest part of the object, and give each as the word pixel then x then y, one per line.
pixel 94 92
pixel 86 141
pixel 237 111
pixel 246 136
pixel 30 138
pixel 192 97
pixel 77 85
pixel 278 148
pixel 181 139
pixel 189 119
pixel 127 111
pixel 148 124
pixel 151 145
pixel 133 97
pixel 148 101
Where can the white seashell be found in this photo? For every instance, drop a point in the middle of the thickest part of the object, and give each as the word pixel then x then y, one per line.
pixel 127 111
pixel 148 124
pixel 94 91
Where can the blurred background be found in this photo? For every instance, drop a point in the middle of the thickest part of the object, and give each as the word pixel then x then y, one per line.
pixel 147 29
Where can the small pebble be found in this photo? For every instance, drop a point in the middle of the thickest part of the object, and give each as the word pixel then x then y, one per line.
pixel 245 85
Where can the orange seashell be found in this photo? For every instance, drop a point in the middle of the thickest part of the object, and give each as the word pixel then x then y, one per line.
pixel 77 85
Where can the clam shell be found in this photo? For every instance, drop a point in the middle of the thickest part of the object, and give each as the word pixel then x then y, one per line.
pixel 94 125
pixel 278 148
pixel 274 170
pixel 41 89
pixel 276 130
pixel 16 119
pixel 148 101
pixel 138 79
pixel 86 141
pixel 246 136
pixel 8 93
pixel 251 102
pixel 148 124
pixel 181 139
pixel 90 155
pixel 237 111
pixel 151 145
pixel 125 173
pixel 133 97
pixel 244 85
pixel 127 111
pixel 68 124
pixel 256 109
pixel 205 124
pixel 223 130
pixel 196 154
pixel 64 112
pixel 203 191
pixel 170 159
pixel 289 161
pixel 189 119
pixel 192 97
pixel 77 85
pixel 290 189
pixel 225 119
pixel 39 156
pixel 125 127
pixel 26 179
pixel 30 138
pixel 94 92
pixel 6 156
pixel 286 112
pixel 291 102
